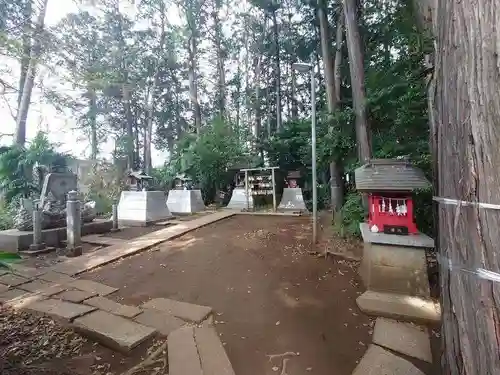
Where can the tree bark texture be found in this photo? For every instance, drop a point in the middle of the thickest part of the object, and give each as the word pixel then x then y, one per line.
pixel 221 75
pixel 22 114
pixel 92 115
pixel 339 37
pixel 467 116
pixel 193 86
pixel 26 49
pixel 357 80
pixel 278 70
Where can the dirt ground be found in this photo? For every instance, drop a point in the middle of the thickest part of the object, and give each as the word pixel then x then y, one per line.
pixel 269 294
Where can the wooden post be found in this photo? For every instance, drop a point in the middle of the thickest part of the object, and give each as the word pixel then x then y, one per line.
pixel 274 189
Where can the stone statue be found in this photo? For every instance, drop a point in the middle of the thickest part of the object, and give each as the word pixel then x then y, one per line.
pixel 53 202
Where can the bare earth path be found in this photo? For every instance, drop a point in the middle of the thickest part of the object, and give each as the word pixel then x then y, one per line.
pixel 270 296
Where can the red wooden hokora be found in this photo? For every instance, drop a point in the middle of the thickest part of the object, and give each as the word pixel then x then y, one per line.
pixel 389 184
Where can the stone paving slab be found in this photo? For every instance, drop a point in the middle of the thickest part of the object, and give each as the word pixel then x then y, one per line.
pixel 90 261
pixel 76 296
pixel 92 286
pixel 102 240
pixel 3 288
pixel 402 338
pixel 400 307
pixel 24 271
pixel 183 310
pixel 378 361
pixel 162 322
pixel 182 353
pixel 113 331
pixel 59 309
pixel 13 280
pixel 3 271
pixel 113 307
pixel 56 277
pixel 11 294
pixel 52 289
pixel 213 357
pixel 35 286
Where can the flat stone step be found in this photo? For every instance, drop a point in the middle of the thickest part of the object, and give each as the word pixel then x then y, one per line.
pixel 92 286
pixel 378 361
pixel 12 293
pixel 183 310
pixel 213 357
pixel 24 271
pixel 75 296
pixel 183 356
pixel 59 309
pixel 113 331
pixel 161 321
pixel 400 307
pixel 36 286
pixel 113 307
pixel 13 280
pixel 56 277
pixel 402 338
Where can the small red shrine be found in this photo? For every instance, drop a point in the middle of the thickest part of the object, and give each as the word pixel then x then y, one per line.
pixel 389 184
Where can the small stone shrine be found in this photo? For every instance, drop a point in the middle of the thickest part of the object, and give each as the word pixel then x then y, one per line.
pixel 183 199
pixel 394 258
pixel 241 199
pixel 140 207
pixel 292 199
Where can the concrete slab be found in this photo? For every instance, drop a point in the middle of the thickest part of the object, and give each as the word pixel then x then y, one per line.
pixel 3 288
pixel 59 309
pixel 14 240
pixel 378 361
pixel 402 338
pixel 92 286
pixel 90 261
pixel 213 357
pixel 113 331
pixel 56 277
pixel 113 307
pixel 27 272
pixel 185 311
pixel 75 296
pixel 51 290
pixel 162 322
pixel 13 280
pixel 397 306
pixel 11 294
pixel 100 240
pixel 183 356
pixel 35 286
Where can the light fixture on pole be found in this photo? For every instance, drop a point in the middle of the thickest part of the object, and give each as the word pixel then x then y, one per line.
pixel 304 68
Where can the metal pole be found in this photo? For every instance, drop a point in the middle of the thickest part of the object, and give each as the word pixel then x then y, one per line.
pixel 246 190
pixel 313 154
pixel 274 189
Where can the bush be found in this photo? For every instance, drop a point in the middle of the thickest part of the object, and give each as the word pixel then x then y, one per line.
pixel 6 215
pixel 350 216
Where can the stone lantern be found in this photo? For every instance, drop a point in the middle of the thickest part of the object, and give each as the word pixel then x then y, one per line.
pixel 292 198
pixel 182 199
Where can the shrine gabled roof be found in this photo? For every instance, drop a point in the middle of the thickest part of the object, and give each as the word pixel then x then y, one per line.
pixel 389 175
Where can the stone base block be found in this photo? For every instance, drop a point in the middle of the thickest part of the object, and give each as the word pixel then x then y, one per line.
pixel 239 200
pixel 395 269
pixel 292 200
pixel 185 201
pixel 14 240
pixel 140 208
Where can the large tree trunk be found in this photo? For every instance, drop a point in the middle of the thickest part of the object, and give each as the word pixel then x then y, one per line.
pixel 468 122
pixel 339 37
pixel 22 114
pixel 357 80
pixel 193 85
pixel 221 75
pixel 129 145
pixel 26 49
pixel 92 114
pixel 278 69
pixel 336 189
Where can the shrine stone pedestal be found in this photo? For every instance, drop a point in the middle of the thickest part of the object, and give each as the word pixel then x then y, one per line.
pixel 185 201
pixel 395 264
pixel 292 200
pixel 141 208
pixel 239 199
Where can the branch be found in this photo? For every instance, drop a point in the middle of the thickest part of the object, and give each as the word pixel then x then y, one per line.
pixel 11 111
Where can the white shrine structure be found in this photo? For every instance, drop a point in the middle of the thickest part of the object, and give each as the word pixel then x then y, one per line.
pixel 292 198
pixel 182 199
pixel 140 207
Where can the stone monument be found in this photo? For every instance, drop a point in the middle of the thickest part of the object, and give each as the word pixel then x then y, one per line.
pixel 184 200
pixel 292 198
pixel 140 207
pixel 239 199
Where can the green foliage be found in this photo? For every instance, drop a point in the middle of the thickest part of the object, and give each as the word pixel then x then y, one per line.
pixel 350 216
pixel 6 215
pixel 16 166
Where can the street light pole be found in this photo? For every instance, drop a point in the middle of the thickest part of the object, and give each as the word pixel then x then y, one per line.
pixel 313 155
pixel 302 67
